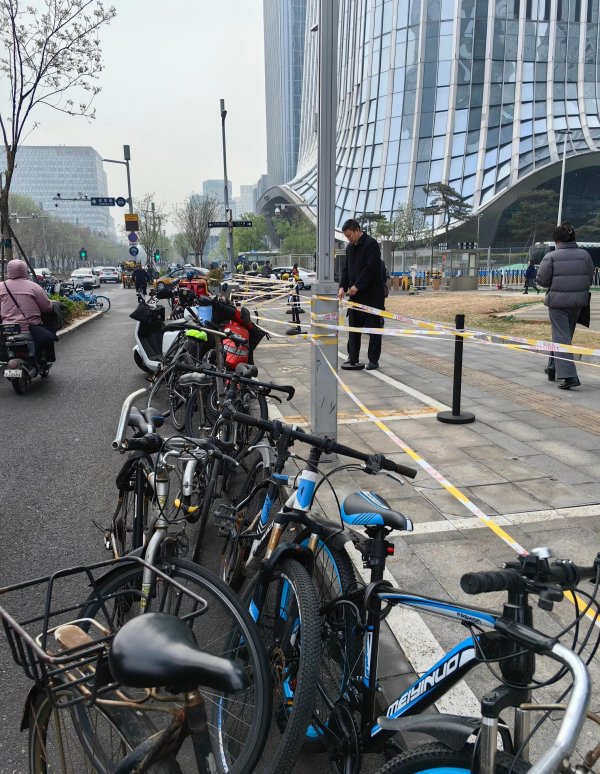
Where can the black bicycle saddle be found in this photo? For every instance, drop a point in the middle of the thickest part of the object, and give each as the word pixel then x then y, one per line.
pixel 366 509
pixel 156 649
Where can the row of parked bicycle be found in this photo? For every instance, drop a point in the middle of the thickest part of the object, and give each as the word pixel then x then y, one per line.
pixel 152 662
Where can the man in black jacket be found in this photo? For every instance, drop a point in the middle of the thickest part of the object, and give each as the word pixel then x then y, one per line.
pixel 363 279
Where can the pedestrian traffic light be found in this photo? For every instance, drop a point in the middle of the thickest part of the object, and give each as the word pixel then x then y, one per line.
pixel 83 254
pixel 156 256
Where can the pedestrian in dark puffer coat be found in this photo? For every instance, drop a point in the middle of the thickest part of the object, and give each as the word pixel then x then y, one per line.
pixel 530 273
pixel 567 272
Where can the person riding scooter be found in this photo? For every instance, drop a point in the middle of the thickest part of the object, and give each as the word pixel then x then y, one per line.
pixel 23 302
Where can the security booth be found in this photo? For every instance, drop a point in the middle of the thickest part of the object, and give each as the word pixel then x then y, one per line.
pixel 460 269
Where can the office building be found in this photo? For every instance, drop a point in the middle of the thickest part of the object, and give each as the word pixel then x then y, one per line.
pixel 216 189
pixel 247 194
pixel 473 93
pixel 284 36
pixel 42 172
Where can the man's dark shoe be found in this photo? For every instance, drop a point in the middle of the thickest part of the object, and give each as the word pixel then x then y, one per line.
pixel 350 366
pixel 372 366
pixel 572 381
pixel 551 373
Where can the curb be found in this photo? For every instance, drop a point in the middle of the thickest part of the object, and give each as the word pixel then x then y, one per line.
pixel 79 323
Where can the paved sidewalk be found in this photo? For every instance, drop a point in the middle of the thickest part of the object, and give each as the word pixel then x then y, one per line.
pixel 531 461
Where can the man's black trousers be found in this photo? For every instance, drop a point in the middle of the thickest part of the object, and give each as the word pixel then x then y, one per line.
pixel 358 319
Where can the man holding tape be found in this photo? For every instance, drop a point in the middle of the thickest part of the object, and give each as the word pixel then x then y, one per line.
pixel 362 279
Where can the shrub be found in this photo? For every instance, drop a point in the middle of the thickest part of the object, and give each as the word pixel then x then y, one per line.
pixel 71 310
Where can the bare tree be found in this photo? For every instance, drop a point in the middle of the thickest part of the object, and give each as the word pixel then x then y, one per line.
pixel 182 246
pixel 410 225
pixel 193 217
pixel 48 56
pixel 152 218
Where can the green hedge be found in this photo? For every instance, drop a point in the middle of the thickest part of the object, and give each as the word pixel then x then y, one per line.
pixel 71 309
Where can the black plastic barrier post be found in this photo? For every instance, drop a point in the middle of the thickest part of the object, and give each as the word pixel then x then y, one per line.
pixel 455 417
pixel 295 312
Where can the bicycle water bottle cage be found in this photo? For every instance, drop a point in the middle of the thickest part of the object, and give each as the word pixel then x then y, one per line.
pixel 366 509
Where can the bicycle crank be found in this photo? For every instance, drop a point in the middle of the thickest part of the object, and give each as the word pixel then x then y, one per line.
pixel 344 744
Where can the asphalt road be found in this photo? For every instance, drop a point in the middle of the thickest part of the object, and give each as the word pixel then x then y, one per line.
pixel 57 479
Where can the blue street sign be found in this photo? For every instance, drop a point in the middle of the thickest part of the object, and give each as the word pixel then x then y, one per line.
pixel 121 202
pixel 102 201
pixel 133 250
pixel 132 236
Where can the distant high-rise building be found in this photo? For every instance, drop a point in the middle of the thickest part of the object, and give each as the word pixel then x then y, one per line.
pixel 480 95
pixel 247 198
pixel 43 171
pixel 216 189
pixel 262 185
pixel 284 31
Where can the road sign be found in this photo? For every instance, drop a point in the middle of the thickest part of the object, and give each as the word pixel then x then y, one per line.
pixel 218 224
pixel 241 223
pixel 121 201
pixel 132 236
pixel 102 201
pixel 233 223
pixel 132 222
pixel 467 245
pixel 133 250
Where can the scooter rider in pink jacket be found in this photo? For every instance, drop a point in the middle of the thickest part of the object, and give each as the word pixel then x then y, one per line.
pixel 29 296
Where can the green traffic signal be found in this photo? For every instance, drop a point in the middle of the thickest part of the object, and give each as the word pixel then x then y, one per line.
pixel 83 254
pixel 156 256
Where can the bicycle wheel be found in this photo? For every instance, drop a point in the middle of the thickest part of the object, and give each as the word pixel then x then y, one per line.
pixel 169 397
pixel 248 402
pixel 333 575
pixel 237 724
pixel 288 622
pixel 236 547
pixel 82 738
pixel 102 303
pixel 201 410
pixel 438 759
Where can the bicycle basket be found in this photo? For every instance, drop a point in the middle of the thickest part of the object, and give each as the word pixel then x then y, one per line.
pixel 78 669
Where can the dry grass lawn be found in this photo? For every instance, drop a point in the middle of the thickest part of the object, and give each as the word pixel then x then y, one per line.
pixel 481 312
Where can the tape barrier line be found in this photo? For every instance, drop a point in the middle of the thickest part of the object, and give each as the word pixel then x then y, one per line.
pixel 537 344
pixel 427 467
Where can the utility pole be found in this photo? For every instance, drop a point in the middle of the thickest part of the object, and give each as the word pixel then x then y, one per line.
pixel 127 157
pixel 228 213
pixel 324 304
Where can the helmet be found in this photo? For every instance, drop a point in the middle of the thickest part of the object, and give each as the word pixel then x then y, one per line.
pixel 190 275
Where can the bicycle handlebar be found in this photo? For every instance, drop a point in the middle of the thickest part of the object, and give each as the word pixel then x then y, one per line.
pixel 514 578
pixel 328 445
pixel 124 418
pixel 287 389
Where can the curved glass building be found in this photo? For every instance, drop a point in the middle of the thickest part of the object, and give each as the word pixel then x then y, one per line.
pixel 474 93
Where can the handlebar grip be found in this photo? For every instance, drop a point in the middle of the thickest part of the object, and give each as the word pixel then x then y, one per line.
pixel 486 582
pixel 150 443
pixel 396 467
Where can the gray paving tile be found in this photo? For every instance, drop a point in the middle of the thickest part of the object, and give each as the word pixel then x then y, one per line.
pixel 488 452
pixel 450 506
pixel 515 447
pixel 533 419
pixel 555 493
pixel 515 469
pixel 473 474
pixel 568 454
pixel 559 470
pixel 507 498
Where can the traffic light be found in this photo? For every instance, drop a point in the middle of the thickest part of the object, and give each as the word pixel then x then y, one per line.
pixel 82 254
pixel 156 256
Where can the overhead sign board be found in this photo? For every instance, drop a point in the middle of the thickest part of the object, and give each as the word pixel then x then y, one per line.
pixel 132 222
pixel 241 223
pixel 233 224
pixel 218 224
pixel 133 250
pixel 102 201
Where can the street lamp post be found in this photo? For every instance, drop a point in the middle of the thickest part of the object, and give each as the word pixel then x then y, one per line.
pixel 228 216
pixel 567 133
pixel 127 157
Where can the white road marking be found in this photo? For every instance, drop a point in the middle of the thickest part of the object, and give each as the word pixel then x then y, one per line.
pixel 420 396
pixel 450 524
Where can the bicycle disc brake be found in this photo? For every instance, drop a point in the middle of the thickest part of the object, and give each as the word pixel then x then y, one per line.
pixel 344 743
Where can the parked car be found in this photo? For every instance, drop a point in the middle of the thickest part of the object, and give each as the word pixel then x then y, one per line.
pixel 160 283
pixel 109 274
pixel 306 277
pixel 87 276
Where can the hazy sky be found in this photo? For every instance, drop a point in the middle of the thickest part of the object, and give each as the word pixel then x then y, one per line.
pixel 167 65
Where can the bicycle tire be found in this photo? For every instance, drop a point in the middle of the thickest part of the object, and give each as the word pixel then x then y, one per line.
pixel 289 625
pixel 436 758
pixel 341 657
pixel 238 724
pixel 75 749
pixel 236 548
pixel 206 396
pixel 101 302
